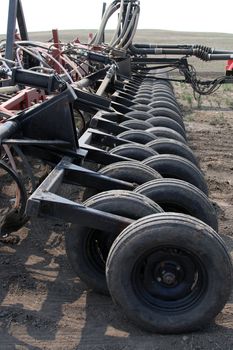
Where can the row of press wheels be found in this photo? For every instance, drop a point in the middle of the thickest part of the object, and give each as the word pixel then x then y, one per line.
pixel 169 270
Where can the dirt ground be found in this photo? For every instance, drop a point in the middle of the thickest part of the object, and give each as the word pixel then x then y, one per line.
pixel 45 306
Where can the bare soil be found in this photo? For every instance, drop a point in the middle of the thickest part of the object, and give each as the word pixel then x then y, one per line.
pixel 43 305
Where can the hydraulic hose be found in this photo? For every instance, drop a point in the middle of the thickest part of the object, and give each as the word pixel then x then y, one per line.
pixel 124 27
pixel 134 28
pixel 109 12
pixel 118 24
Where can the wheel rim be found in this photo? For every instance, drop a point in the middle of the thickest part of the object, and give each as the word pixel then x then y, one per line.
pixel 169 279
pixel 97 247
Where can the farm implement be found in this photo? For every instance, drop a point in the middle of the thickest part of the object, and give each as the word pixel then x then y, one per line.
pixel 104 116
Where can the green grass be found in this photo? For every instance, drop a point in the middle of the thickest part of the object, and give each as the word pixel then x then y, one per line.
pixel 188 97
pixel 227 87
pixel 219 120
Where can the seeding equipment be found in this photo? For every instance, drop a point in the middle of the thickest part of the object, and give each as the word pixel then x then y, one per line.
pixel 104 116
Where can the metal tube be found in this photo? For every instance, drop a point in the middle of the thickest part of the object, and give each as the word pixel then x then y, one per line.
pixel 9 89
pixel 110 73
pixel 21 22
pixel 159 46
pixel 11 25
pixel 220 57
pixel 116 34
pixel 7 129
pixel 161 51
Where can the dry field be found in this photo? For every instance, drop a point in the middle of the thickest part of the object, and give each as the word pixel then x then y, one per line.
pixel 44 306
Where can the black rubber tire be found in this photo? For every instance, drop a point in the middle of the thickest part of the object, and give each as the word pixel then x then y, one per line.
pixel 144 90
pixel 170 146
pixel 168 99
pixel 171 166
pixel 143 95
pixel 140 107
pixel 180 197
pixel 163 83
pixel 165 104
pixel 133 151
pixel 138 136
pixel 162 89
pixel 167 123
pixel 165 112
pixel 160 131
pixel 130 171
pixel 142 101
pixel 146 82
pixel 87 248
pixel 139 115
pixel 146 247
pixel 158 95
pixel 136 124
pixel 146 85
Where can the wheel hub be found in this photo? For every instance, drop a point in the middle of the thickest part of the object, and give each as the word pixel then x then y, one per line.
pixel 169 278
pixel 168 273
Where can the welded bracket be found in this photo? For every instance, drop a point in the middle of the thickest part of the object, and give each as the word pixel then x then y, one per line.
pixel 44 202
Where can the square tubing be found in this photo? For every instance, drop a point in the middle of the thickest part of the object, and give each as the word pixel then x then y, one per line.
pixel 15 12
pixel 11 26
pixel 21 22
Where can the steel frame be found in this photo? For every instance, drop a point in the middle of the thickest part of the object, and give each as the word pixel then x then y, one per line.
pixel 102 95
pixel 45 203
pixel 15 14
pixel 34 129
pixel 103 128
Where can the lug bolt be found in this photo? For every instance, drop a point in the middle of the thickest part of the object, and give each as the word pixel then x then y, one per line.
pixel 169 278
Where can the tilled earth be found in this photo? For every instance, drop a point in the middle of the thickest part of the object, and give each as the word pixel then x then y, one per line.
pixel 45 306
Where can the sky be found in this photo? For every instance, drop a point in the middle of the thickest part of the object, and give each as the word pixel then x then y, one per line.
pixel 181 15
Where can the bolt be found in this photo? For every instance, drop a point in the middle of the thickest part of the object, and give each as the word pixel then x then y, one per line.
pixel 169 278
pixel 159 279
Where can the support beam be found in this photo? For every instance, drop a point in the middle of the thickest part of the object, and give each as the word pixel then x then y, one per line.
pixel 15 13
